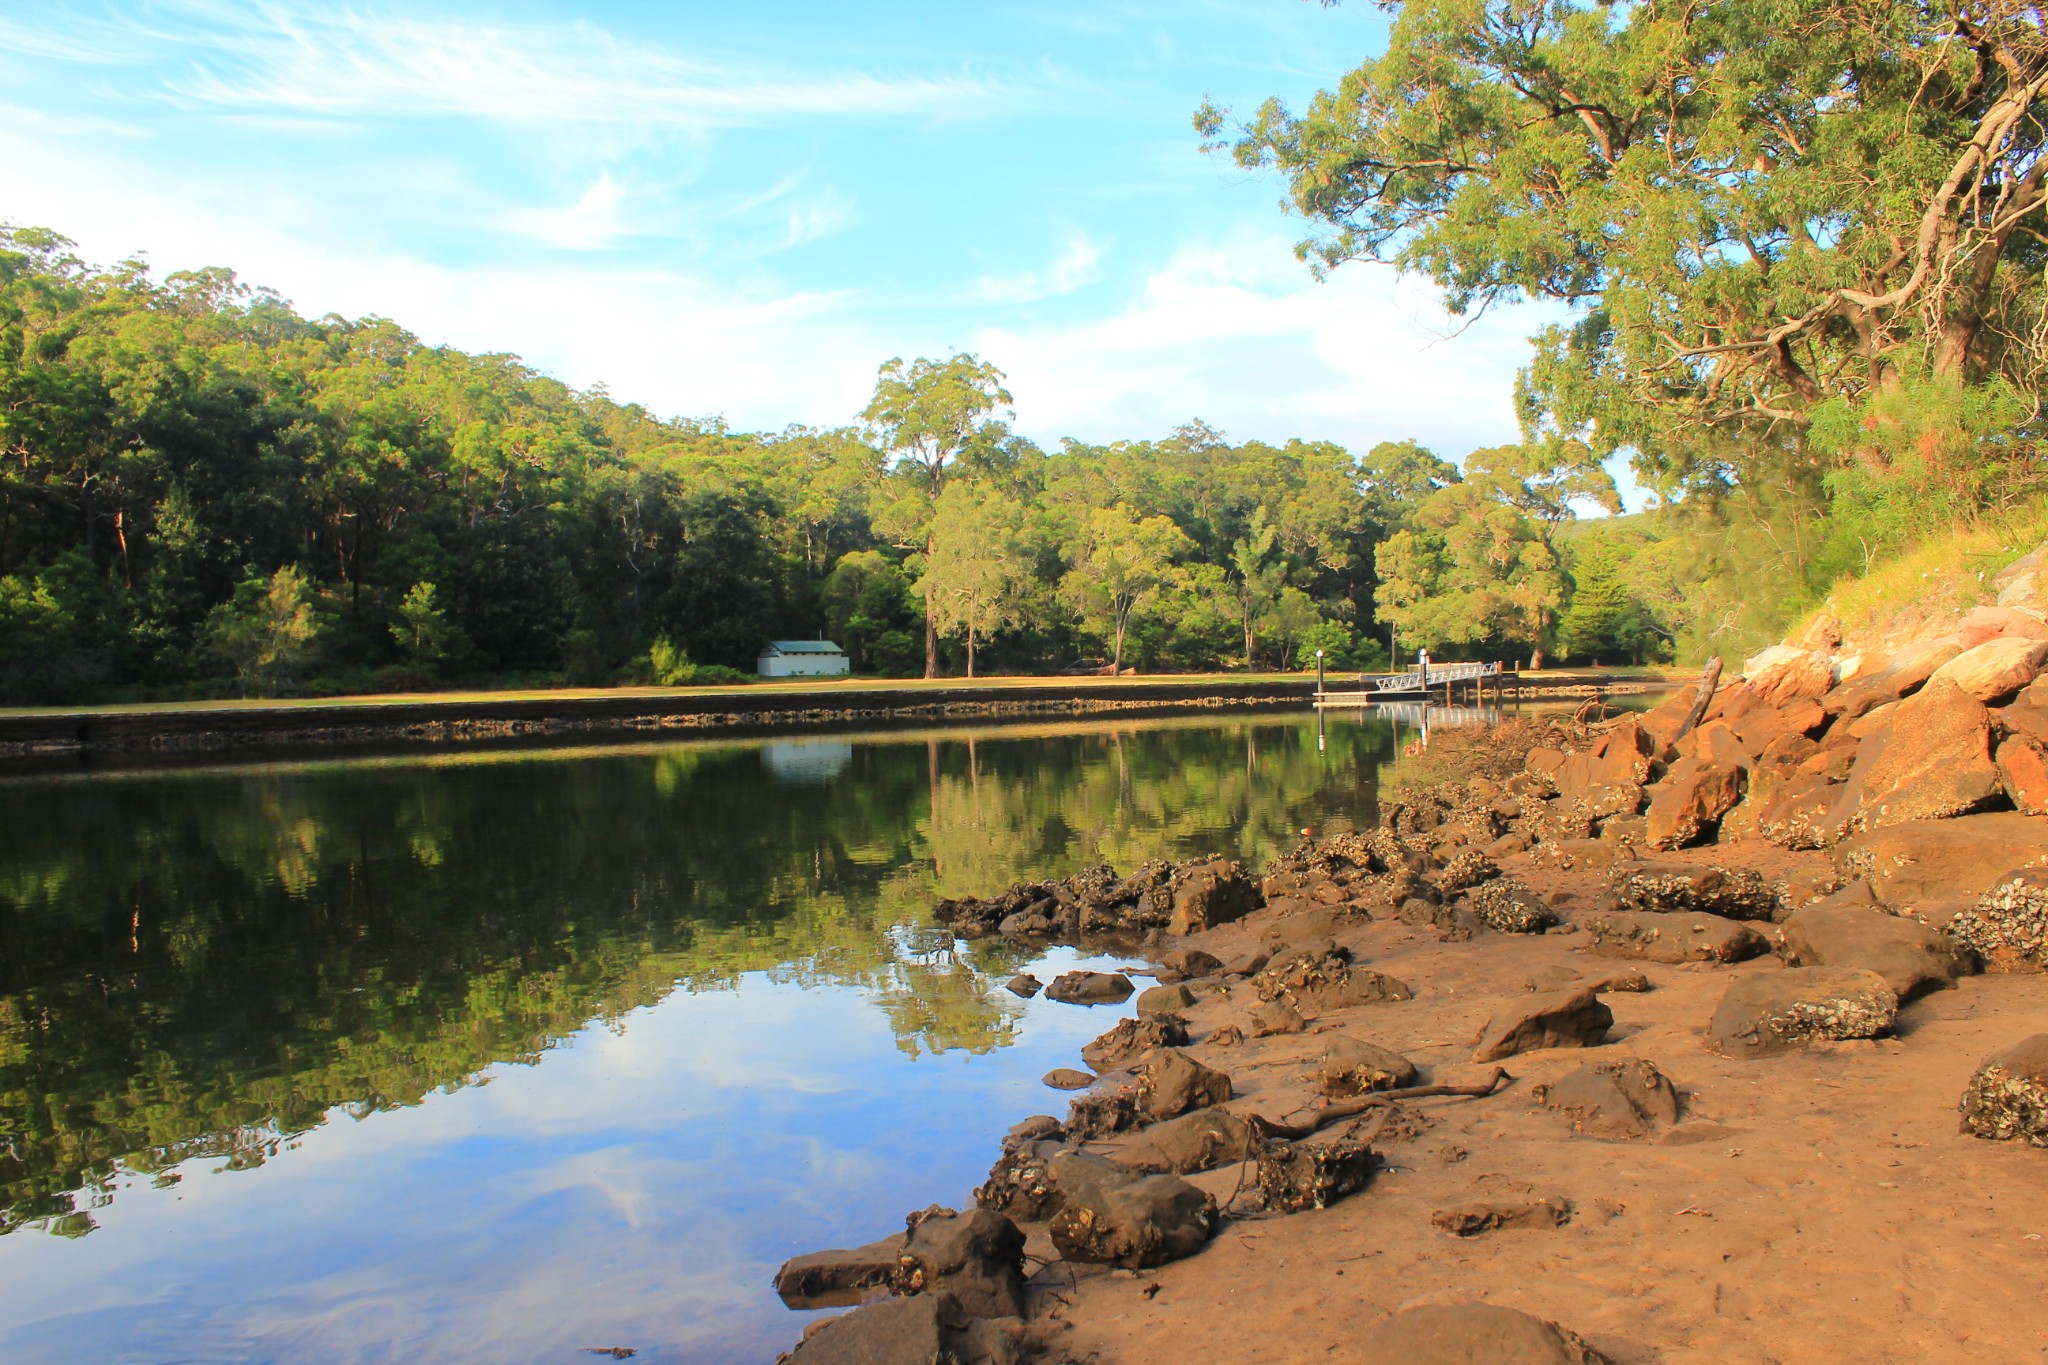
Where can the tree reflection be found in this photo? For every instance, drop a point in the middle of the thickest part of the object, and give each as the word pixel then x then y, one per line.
pixel 205 965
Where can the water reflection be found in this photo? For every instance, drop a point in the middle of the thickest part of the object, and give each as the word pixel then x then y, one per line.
pixel 753 1044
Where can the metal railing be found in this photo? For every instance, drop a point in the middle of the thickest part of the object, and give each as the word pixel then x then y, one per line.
pixel 1436 675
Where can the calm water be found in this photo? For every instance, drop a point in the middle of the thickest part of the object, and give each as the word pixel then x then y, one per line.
pixel 503 1056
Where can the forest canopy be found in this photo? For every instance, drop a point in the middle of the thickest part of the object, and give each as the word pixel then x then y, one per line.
pixel 205 492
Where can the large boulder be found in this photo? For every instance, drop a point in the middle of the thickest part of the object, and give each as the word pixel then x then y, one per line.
pixel 1209 892
pixel 1936 860
pixel 2026 714
pixel 1472 1334
pixel 1773 1012
pixel 2008 926
pixel 1785 673
pixel 1911 957
pixel 1903 676
pixel 1617 757
pixel 1794 814
pixel 1353 1066
pixel 2007 1100
pixel 1996 668
pixel 1165 999
pixel 1693 796
pixel 1935 762
pixel 1732 892
pixel 1567 1018
pixel 976 1256
pixel 1768 725
pixel 2023 772
pixel 1615 1100
pixel 1981 624
pixel 1090 988
pixel 1173 1083
pixel 1651 937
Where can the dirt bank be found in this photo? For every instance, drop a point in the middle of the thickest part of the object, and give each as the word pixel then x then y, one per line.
pixel 1747 998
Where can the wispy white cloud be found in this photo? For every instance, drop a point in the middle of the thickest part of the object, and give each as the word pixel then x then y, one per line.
pixel 1078 265
pixel 341 61
pixel 591 223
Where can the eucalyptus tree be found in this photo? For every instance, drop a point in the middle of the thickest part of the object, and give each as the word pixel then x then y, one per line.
pixel 1122 563
pixel 1755 210
pixel 929 413
pixel 976 568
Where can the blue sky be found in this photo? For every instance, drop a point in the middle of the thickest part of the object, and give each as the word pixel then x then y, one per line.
pixel 742 209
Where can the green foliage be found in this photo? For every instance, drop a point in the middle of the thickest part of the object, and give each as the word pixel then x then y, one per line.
pixel 423 629
pixel 266 632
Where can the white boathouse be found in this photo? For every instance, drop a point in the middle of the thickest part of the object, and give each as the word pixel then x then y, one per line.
pixel 804 659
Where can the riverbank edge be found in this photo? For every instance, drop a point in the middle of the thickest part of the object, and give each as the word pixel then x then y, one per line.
pixel 432 720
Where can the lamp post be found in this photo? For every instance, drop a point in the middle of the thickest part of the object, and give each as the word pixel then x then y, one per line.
pixel 1319 674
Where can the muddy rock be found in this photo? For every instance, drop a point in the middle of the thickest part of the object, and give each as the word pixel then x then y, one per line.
pixel 835 1279
pixel 1650 937
pixel 1209 892
pixel 929 1329
pixel 1353 1066
pixel 1024 984
pixel 1165 999
pixel 1193 1142
pixel 1937 859
pixel 1103 1113
pixel 1996 668
pixel 1472 1220
pixel 1037 1128
pixel 1472 1334
pixel 1508 906
pixel 1026 1182
pixel 1615 1100
pixel 1274 1017
pixel 1132 1037
pixel 1772 1012
pixel 1193 962
pixel 1174 1083
pixel 1067 1078
pixel 2008 926
pixel 1133 1221
pixel 1325 980
pixel 1691 801
pixel 1567 1018
pixel 1912 958
pixel 2007 1100
pixel 2023 773
pixel 1664 887
pixel 1312 1174
pixel 977 1257
pixel 1557 978
pixel 1090 988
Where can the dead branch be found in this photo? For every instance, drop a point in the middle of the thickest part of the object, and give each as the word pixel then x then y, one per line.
pixel 1710 678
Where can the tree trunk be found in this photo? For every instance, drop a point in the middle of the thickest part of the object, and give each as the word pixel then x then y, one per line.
pixel 1117 664
pixel 1536 659
pixel 970 651
pixel 931 630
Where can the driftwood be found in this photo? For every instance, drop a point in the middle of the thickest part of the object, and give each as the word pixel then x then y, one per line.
pixel 1710 678
pixel 1289 1132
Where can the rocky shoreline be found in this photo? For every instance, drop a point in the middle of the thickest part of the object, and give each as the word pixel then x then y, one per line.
pixel 1718 1032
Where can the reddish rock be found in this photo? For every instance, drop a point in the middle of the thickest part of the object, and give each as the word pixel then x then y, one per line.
pixel 1934 860
pixel 1795 814
pixel 1652 937
pixel 1912 958
pixel 1784 673
pixel 1994 669
pixel 1209 892
pixel 1788 751
pixel 1568 1018
pixel 1717 742
pixel 1761 727
pixel 1904 675
pixel 2023 772
pixel 1772 1012
pixel 1822 635
pixel 2007 1099
pixel 1690 799
pixel 1935 763
pixel 1614 1100
pixel 2026 714
pixel 1982 624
